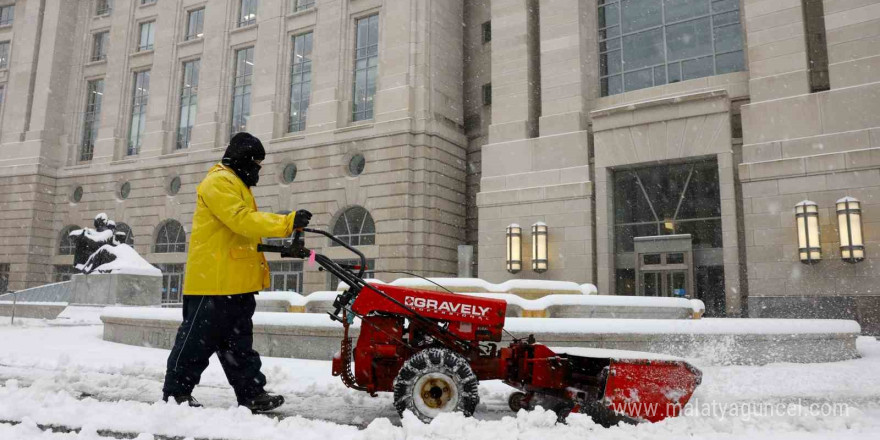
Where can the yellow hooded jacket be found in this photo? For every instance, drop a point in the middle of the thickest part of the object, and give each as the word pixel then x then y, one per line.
pixel 223 257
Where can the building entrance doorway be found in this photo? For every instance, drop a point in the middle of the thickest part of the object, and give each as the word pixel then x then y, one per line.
pixel 664 266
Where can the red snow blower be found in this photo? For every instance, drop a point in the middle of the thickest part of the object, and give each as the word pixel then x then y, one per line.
pixel 431 349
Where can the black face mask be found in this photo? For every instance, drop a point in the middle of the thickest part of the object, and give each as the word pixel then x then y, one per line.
pixel 247 170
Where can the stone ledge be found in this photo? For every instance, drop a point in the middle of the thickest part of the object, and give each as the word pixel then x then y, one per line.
pixel 32 310
pixel 567 191
pixel 853 160
pixel 660 109
pixel 723 348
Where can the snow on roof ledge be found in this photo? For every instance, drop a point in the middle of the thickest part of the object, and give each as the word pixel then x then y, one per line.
pixel 476 285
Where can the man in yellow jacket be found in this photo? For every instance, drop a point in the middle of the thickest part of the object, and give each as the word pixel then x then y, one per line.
pixel 223 273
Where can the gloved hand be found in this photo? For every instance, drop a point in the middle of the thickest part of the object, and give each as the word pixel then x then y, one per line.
pixel 301 219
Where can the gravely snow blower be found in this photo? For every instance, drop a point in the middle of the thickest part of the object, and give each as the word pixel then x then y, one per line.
pixel 431 349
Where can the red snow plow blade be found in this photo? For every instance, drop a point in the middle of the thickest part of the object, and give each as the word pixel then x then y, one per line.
pixel 649 390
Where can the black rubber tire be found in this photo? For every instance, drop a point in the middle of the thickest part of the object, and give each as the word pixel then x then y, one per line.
pixel 605 417
pixel 433 362
pixel 516 401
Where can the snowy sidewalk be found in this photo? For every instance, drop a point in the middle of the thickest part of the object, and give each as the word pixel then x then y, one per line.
pixel 66 375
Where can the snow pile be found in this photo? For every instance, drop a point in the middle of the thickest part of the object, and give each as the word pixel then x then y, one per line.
pixel 127 261
pixel 707 326
pixel 70 377
pixel 292 298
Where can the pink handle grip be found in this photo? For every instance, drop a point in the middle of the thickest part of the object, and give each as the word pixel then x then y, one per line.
pixel 311 258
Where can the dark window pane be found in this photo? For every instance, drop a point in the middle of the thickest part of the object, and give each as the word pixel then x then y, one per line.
pixel 704 233
pixel 725 19
pixel 638 80
pixel 689 39
pixel 676 258
pixel 728 38
pixel 659 75
pixel 674 72
pixel 609 63
pixel 677 10
pixel 608 15
pixel 730 62
pixel 725 5
pixel 651 259
pixel 625 281
pixel 640 14
pixel 623 237
pixel 643 49
pixel 698 68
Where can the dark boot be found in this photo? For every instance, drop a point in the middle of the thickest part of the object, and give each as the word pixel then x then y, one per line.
pixel 188 400
pixel 262 402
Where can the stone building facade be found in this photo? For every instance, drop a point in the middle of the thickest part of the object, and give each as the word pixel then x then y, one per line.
pixel 665 143
pixel 404 161
pixel 621 122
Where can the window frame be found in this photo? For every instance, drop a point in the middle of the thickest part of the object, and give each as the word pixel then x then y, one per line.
pixel 286 269
pixel 240 18
pixel 616 44
pixel 5 271
pixel 63 247
pixel 301 5
pixel 242 90
pixel 188 32
pixel 301 78
pixel 360 235
pixel 171 272
pixel 103 8
pixel 151 36
pixel 187 100
pixel 139 105
pixel 367 111
pixel 5 54
pixel 170 246
pixel 91 119
pixel 100 41
pixel 9 20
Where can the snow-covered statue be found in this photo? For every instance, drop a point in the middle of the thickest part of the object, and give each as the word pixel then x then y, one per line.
pixel 103 250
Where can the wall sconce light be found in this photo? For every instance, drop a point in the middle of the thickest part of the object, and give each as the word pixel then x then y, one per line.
pixel 514 248
pixel 539 247
pixel 807 218
pixel 849 223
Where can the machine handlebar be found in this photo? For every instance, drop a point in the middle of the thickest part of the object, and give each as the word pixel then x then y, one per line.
pixel 270 248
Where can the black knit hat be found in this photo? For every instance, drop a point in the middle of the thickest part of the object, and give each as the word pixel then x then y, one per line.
pixel 244 145
pixel 242 154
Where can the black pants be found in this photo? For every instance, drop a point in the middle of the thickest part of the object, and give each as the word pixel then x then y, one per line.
pixel 216 324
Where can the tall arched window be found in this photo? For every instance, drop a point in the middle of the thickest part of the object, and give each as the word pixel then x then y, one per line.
pixel 129 236
pixel 170 238
pixel 66 246
pixel 355 226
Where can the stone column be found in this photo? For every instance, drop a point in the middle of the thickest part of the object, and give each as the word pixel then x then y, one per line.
pixel 512 80
pixel 777 51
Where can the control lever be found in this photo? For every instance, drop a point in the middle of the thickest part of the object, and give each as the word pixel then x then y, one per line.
pixel 295 249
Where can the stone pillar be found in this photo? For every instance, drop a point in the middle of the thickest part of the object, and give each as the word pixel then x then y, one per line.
pixel 512 79
pixel 777 51
pixel 269 49
pixel 214 80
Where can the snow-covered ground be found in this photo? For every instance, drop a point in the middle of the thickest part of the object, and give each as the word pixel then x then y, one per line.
pixel 61 373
